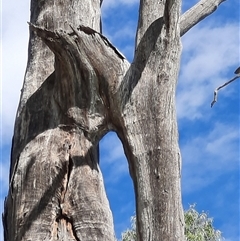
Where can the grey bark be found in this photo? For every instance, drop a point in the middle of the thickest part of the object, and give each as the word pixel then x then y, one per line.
pixel 197 13
pixel 149 123
pixel 56 188
pixel 78 87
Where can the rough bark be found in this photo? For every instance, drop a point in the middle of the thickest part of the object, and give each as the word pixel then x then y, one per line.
pixel 56 188
pixel 77 87
pixel 149 123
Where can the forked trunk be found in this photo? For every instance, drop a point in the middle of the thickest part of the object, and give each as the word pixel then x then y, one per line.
pixel 75 91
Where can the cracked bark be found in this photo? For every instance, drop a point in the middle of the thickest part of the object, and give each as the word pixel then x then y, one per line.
pixel 52 111
pixel 78 87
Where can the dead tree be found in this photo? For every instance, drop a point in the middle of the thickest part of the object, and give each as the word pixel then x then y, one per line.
pixel 77 88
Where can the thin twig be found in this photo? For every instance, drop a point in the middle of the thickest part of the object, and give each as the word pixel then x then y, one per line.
pixel 220 87
pixel 237 71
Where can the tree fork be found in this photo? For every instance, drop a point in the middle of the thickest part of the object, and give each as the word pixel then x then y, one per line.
pixel 80 40
pixel 77 95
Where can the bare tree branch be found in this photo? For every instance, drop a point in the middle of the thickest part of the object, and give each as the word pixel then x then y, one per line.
pixel 237 72
pixel 197 13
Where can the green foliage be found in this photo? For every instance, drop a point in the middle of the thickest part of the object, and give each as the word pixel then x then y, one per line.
pixel 198 227
pixel 130 234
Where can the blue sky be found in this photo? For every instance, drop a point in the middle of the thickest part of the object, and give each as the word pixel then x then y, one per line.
pixel 209 137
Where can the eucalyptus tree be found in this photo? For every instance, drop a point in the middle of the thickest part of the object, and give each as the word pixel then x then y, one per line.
pixel 77 87
pixel 198 227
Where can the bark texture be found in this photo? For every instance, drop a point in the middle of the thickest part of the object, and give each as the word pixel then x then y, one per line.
pixel 56 187
pixel 197 13
pixel 78 87
pixel 149 123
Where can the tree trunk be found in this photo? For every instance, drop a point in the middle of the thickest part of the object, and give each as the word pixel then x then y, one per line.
pixel 78 87
pixel 149 124
pixel 56 187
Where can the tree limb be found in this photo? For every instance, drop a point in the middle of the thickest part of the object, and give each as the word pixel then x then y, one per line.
pixel 220 87
pixel 197 13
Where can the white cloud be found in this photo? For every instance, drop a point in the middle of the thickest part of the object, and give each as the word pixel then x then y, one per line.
pixel 123 38
pixel 113 159
pixel 221 138
pixel 212 51
pixel 209 54
pixel 111 147
pixel 14 60
pixel 108 4
pixel 206 157
pixel 4 178
pixel 127 32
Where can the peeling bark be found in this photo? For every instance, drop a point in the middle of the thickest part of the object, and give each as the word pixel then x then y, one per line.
pixel 56 188
pixel 78 87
